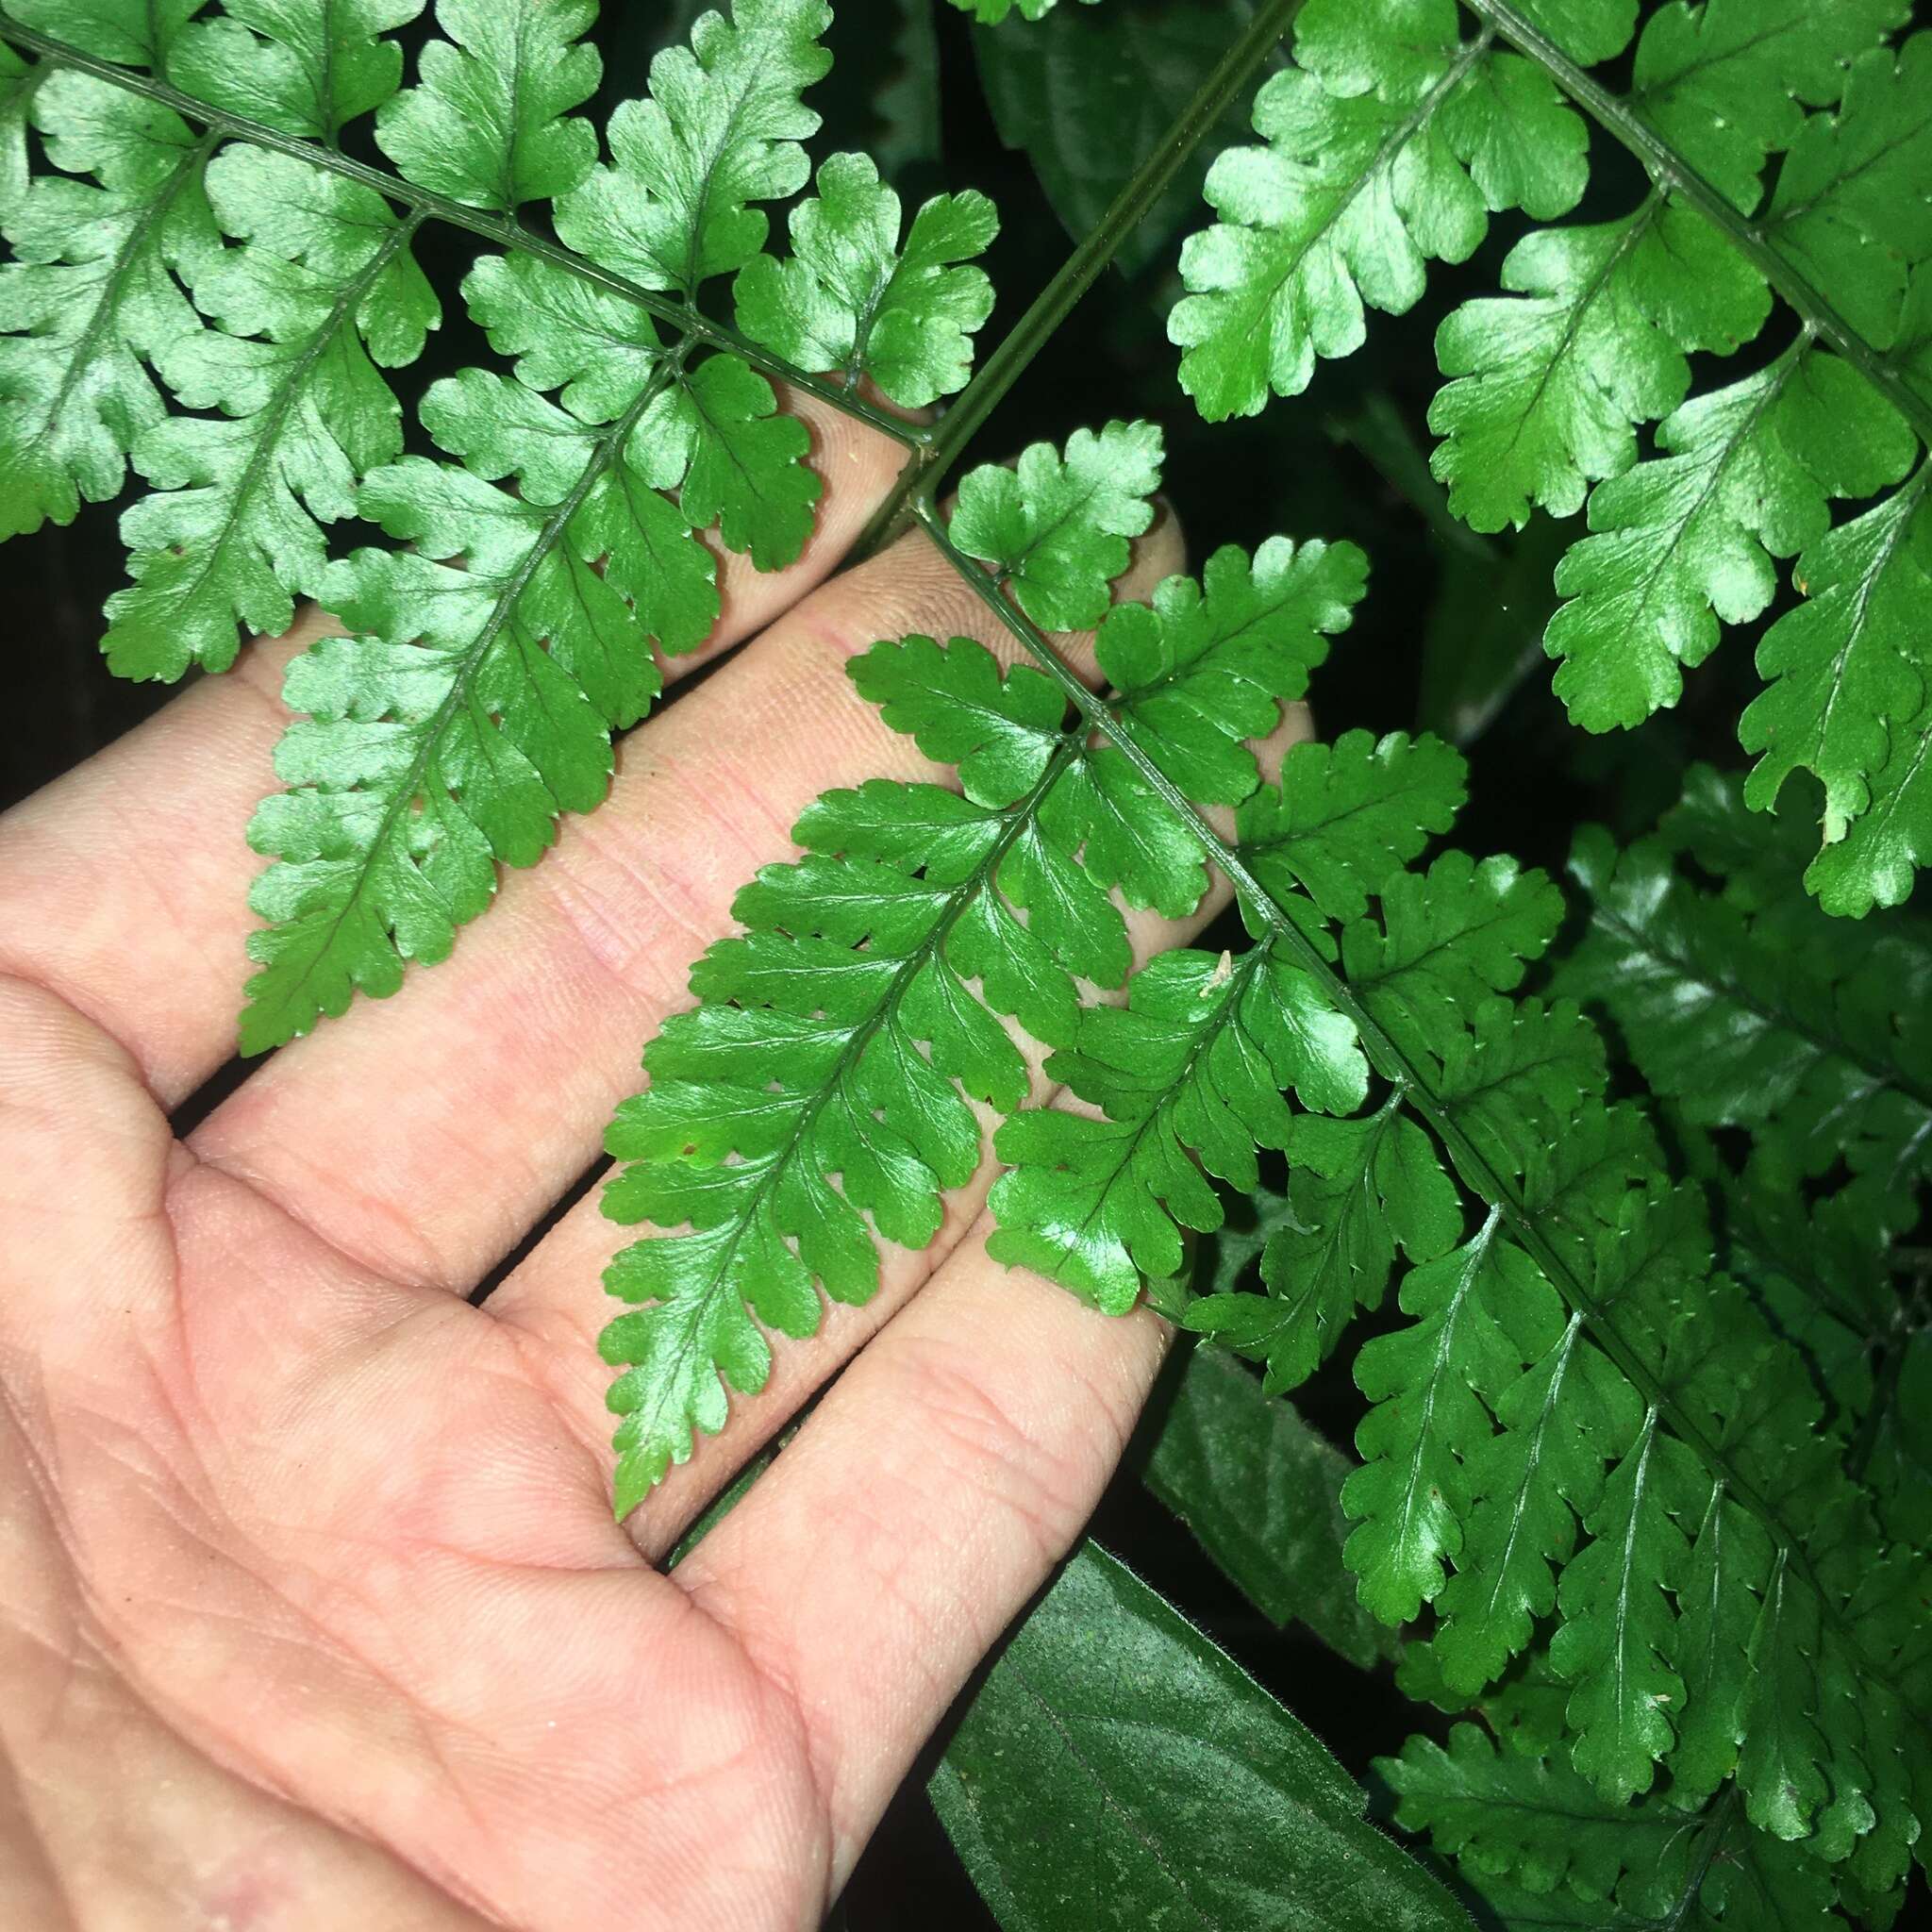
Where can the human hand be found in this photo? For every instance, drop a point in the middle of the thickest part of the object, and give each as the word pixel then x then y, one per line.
pixel 312 1611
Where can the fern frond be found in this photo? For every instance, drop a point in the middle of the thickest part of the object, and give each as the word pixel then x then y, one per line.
pixel 1194 1067
pixel 1849 699
pixel 1381 157
pixel 1055 527
pixel 852 299
pixel 1685 541
pixel 479 702
pixel 1391 142
pixel 1749 1018
pixel 322 295
pixel 1548 385
pixel 488 124
pixel 1541 1848
pixel 844 1033
pixel 304 69
pixel 1687 1536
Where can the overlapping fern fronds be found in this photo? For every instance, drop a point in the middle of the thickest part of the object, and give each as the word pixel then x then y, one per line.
pixel 210 288
pixel 1586 1452
pixel 1787 144
pixel 1654 1478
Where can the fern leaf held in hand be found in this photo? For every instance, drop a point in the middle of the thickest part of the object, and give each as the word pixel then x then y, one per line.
pixel 497 657
pixel 820 1090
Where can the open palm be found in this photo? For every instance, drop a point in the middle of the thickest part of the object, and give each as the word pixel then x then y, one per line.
pixel 312 1611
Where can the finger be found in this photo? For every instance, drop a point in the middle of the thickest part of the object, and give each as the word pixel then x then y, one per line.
pixel 123 885
pixel 924 1501
pixel 500 1070
pixel 556 1298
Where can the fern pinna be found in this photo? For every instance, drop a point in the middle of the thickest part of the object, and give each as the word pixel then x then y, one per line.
pixel 1643 1469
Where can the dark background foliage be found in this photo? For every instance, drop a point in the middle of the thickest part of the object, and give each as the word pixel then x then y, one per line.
pixel 1049 119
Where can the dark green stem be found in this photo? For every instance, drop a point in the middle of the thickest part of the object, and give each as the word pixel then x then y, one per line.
pixel 1389 1059
pixel 1677 178
pixel 502 230
pixel 1082 269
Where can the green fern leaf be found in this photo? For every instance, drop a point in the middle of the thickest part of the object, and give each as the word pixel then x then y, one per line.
pixel 1202 668
pixel 445 737
pixel 19 78
pixel 302 67
pixel 1347 817
pixel 1617 1625
pixel 1849 208
pixel 488 125
pixel 1429 1381
pixel 1356 1190
pixel 543 637
pixel 324 292
pixel 1382 156
pixel 721 130
pixel 1760 1023
pixel 1055 528
pixel 527 634
pixel 1568 1414
pixel 91 293
pixel 1196 1063
pixel 1448 939
pixel 135 33
pixel 1390 142
pixel 1530 1820
pixel 1688 541
pixel 1541 1848
pixel 1846 690
pixel 990 12
pixel 1546 389
pixel 1723 82
pixel 850 299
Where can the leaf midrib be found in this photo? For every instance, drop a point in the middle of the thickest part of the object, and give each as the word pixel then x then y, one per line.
pixel 541 545
pixel 268 423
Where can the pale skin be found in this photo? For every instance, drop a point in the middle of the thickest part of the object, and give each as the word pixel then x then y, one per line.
pixel 312 1610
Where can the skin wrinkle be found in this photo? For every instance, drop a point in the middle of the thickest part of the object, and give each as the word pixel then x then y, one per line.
pixel 229 1751
pixel 426 1274
pixel 88 1633
pixel 39 1846
pixel 614 942
pixel 427 1738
